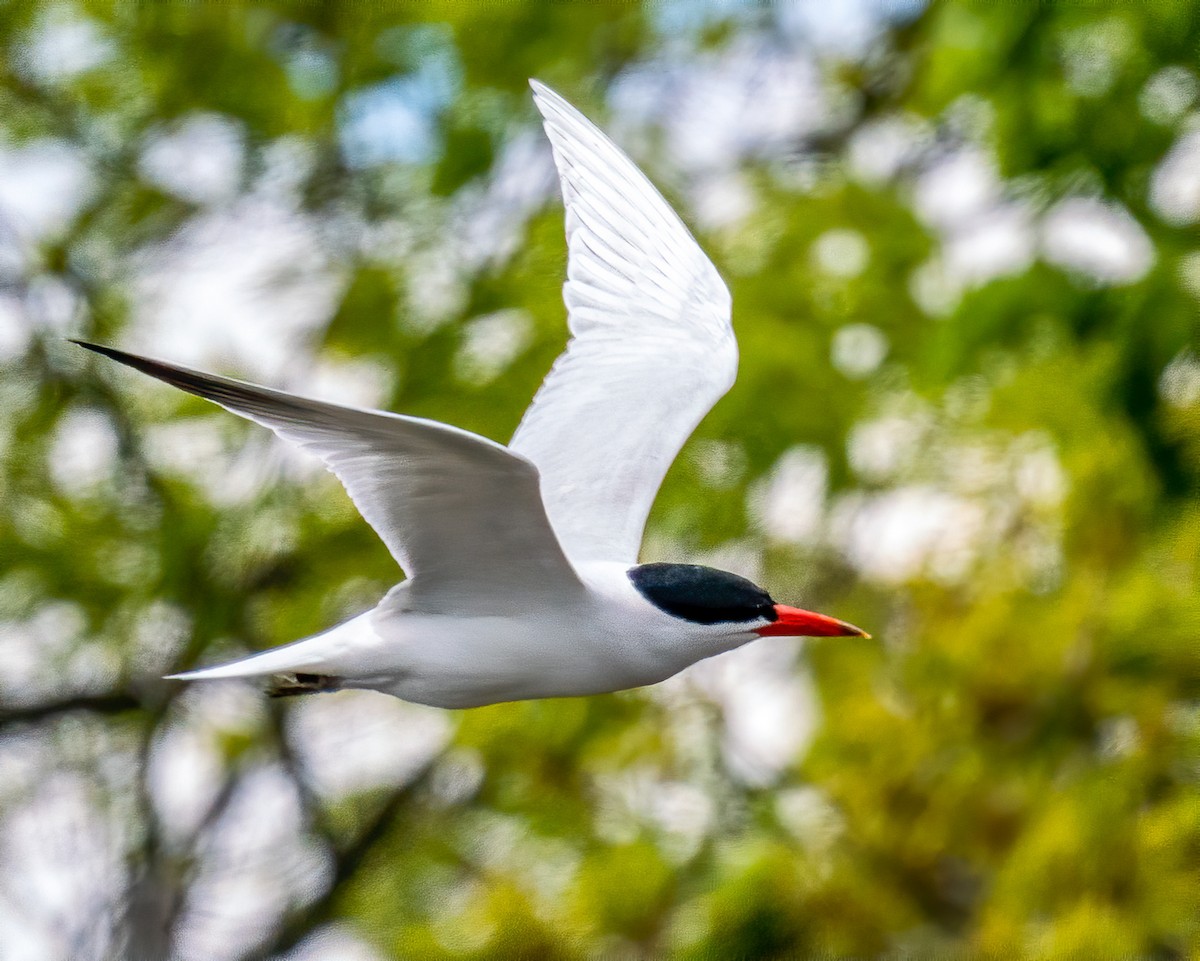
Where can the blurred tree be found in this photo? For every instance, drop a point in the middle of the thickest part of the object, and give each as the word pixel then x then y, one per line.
pixel 962 245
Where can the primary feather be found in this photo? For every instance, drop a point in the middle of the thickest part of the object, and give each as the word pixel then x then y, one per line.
pixel 460 513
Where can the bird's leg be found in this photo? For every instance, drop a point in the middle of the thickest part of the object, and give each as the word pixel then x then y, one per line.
pixel 291 685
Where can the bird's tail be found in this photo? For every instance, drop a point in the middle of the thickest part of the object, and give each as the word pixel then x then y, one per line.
pixel 323 654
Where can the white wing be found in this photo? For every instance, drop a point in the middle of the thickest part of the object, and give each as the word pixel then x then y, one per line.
pixel 460 513
pixel 652 347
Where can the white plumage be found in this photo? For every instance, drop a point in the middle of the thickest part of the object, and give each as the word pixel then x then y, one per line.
pixel 521 561
pixel 652 347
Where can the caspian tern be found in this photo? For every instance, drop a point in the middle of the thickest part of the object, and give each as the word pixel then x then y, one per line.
pixel 522 566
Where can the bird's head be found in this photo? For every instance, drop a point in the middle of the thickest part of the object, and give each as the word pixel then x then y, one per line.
pixel 704 595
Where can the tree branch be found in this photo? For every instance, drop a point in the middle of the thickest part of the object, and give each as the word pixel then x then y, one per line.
pixel 116 703
pixel 347 862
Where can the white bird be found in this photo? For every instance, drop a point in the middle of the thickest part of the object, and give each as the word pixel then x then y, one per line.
pixel 522 561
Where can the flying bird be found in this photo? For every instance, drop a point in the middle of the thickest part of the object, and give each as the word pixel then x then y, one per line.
pixel 522 566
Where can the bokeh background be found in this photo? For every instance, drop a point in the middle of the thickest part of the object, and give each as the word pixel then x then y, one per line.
pixel 962 243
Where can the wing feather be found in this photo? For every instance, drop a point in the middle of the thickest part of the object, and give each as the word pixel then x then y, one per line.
pixel 460 513
pixel 651 349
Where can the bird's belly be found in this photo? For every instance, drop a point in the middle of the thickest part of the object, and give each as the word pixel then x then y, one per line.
pixel 486 660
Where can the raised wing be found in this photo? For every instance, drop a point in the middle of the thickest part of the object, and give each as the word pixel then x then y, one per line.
pixel 652 347
pixel 460 513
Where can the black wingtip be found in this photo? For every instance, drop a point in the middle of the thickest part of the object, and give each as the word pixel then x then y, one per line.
pixel 181 377
pixel 98 348
pixel 235 395
pixel 155 368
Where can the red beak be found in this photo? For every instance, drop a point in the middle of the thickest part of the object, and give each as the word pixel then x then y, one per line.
pixel 793 622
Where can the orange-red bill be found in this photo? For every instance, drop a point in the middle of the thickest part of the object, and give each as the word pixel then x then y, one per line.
pixel 793 622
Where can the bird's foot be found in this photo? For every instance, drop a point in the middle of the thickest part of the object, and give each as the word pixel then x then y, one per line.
pixel 292 685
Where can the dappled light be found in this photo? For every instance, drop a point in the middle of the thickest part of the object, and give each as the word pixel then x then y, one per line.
pixel 961 244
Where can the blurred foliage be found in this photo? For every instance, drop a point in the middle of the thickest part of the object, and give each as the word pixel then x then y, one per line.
pixel 1009 769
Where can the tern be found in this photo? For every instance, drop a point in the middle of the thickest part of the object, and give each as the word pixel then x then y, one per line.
pixel 521 562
